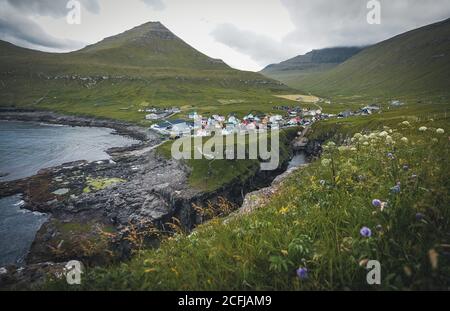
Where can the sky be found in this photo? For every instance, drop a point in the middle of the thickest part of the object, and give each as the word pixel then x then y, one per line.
pixel 246 34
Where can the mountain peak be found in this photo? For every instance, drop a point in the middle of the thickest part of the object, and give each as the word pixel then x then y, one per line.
pixel 152 29
pixel 150 45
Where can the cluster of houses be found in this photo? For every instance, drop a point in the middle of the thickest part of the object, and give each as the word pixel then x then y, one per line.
pixel 198 125
pixel 203 126
pixel 365 111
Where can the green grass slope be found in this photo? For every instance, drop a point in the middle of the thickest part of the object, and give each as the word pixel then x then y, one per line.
pixel 315 218
pixel 145 66
pixel 294 70
pixel 416 62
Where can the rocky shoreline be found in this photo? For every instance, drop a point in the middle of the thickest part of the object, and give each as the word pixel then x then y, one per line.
pixel 97 227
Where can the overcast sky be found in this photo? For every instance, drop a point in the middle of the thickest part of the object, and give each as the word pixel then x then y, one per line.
pixel 246 34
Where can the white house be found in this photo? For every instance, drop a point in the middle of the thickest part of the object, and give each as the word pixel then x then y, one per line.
pixel 251 126
pixel 275 118
pixel 152 116
pixel 233 119
pixel 202 133
pixel 180 128
pixel 193 115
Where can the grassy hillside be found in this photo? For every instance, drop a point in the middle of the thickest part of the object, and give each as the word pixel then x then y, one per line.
pixel 145 66
pixel 294 70
pixel 414 63
pixel 315 220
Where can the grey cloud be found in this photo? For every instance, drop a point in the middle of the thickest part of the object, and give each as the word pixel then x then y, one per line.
pixel 260 48
pixel 53 8
pixel 155 4
pixel 18 28
pixel 324 23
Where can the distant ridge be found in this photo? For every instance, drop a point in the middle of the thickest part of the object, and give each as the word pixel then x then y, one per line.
pixel 315 58
pixel 295 69
pixel 415 62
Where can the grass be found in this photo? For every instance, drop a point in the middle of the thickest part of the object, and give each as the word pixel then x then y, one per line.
pixel 97 184
pixel 209 175
pixel 314 221
pixel 415 62
pixel 120 75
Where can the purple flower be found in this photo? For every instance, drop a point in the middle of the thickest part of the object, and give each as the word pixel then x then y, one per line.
pixel 302 273
pixel 365 232
pixel 377 203
pixel 390 156
pixel 396 188
pixel 420 216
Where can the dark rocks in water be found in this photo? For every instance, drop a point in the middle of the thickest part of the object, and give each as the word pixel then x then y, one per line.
pixel 3 174
pixel 151 192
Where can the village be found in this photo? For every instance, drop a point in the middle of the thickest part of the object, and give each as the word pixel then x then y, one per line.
pixel 197 125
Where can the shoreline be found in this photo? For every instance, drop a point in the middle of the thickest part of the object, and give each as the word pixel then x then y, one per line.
pixel 42 116
pixel 154 191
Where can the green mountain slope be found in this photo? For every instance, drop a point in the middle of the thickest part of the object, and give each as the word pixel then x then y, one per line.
pixel 413 63
pixel 294 70
pixel 145 66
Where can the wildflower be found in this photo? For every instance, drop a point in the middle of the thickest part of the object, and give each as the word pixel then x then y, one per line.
pixel 365 232
pixel 407 271
pixel 331 144
pixel 302 273
pixel 376 203
pixel 353 149
pixel 357 136
pixel 366 143
pixel 363 138
pixel 383 134
pixel 405 168
pixel 396 188
pixel 363 263
pixel 391 156
pixel 322 182
pixel 423 129
pixel 326 162
pixel 440 131
pixel 389 140
pixel 283 211
pixel 420 216
pixel 342 148
pixel 406 123
pixel 413 176
pixel 405 140
pixel 433 256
